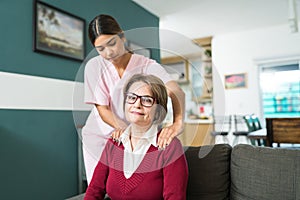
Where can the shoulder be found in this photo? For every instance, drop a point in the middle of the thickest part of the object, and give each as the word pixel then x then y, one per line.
pixel 142 59
pixel 172 153
pixel 152 67
pixel 95 63
pixel 174 149
pixel 175 143
pixel 113 146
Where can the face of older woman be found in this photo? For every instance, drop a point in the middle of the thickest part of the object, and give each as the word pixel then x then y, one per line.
pixel 140 105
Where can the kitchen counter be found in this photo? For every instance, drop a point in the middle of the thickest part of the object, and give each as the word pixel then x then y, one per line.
pixel 197 132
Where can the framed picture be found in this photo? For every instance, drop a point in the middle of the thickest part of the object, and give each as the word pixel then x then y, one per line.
pixel 57 32
pixel 139 49
pixel 234 81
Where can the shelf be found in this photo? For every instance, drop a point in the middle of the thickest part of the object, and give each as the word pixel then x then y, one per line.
pixel 207 60
pixel 208 76
pixel 177 67
pixel 203 99
pixel 202 76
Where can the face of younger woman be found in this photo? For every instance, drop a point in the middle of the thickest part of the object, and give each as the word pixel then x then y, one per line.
pixel 140 105
pixel 110 47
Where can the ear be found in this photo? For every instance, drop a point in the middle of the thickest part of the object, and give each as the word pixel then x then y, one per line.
pixel 121 35
pixel 124 40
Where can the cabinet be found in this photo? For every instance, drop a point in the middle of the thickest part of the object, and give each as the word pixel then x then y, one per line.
pixel 201 73
pixel 195 76
pixel 197 134
pixel 177 67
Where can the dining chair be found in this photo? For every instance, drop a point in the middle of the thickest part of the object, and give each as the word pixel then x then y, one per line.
pixel 256 122
pixel 250 122
pixel 256 126
pixel 243 125
pixel 222 126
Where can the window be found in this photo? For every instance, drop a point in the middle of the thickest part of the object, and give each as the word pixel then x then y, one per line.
pixel 280 85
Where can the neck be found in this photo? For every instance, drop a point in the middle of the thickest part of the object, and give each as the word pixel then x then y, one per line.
pixel 122 61
pixel 139 131
pixel 136 133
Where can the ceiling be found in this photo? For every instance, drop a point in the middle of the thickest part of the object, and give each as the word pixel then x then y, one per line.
pixel 200 18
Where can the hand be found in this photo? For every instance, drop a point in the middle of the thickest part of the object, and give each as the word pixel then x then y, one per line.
pixel 167 134
pixel 116 134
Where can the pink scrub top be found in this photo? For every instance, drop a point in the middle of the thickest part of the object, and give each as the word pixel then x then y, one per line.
pixel 103 86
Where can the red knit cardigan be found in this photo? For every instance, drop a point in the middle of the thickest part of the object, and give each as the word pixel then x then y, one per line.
pixel 161 175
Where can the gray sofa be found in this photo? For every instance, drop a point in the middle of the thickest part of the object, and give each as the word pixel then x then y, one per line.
pixel 243 172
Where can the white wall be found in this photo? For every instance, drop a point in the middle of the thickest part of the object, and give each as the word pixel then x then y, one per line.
pixel 19 91
pixel 242 52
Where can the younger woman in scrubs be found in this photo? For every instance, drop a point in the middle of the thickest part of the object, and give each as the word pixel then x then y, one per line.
pixel 105 76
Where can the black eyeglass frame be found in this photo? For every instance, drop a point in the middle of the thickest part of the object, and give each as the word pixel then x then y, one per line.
pixel 141 99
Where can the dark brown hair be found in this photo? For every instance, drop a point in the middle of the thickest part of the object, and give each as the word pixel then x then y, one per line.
pixel 159 92
pixel 104 24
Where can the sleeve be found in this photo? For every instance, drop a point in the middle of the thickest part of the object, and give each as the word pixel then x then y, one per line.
pixel 156 69
pixel 97 188
pixel 95 90
pixel 175 172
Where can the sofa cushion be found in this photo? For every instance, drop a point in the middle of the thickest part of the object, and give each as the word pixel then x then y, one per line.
pixel 209 176
pixel 261 173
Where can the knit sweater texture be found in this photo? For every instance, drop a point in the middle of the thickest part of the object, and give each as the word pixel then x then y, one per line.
pixel 161 175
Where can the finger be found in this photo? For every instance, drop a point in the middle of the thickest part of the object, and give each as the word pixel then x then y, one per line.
pixel 115 134
pixel 168 141
pixel 164 138
pixel 168 138
pixel 118 133
pixel 161 138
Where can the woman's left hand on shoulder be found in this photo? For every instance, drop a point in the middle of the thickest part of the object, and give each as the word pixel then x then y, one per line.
pixel 167 134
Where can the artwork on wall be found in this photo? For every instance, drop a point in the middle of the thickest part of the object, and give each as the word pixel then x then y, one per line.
pixel 139 49
pixel 57 32
pixel 233 81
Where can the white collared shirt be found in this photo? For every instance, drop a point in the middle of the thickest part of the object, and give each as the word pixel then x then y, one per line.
pixel 132 159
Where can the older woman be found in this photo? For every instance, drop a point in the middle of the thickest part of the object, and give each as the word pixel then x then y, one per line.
pixel 134 167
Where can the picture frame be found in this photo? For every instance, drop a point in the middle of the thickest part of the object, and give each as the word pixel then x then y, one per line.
pixel 235 81
pixel 58 32
pixel 136 48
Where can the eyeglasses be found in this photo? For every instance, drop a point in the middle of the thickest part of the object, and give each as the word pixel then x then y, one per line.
pixel 146 101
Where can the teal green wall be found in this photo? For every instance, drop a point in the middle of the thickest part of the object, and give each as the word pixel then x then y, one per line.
pixel 38 148
pixel 38 154
pixel 17 32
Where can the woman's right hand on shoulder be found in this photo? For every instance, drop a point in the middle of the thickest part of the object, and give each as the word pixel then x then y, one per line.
pixel 115 135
